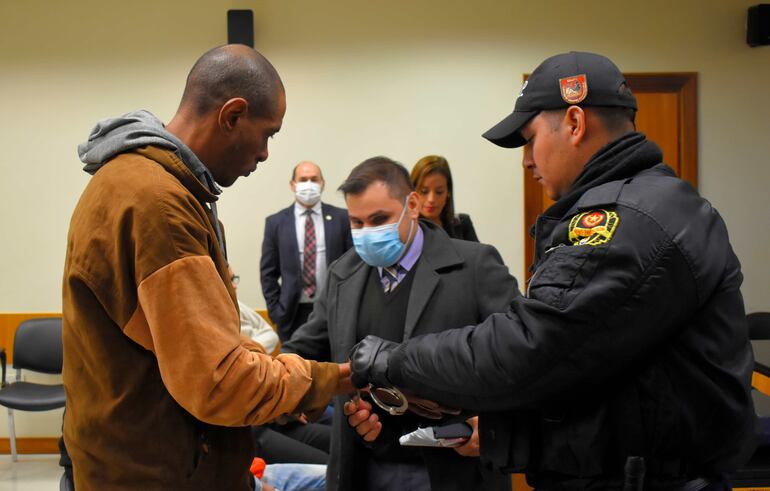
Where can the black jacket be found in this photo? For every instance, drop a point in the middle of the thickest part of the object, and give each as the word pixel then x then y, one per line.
pixel 461 228
pixel 633 342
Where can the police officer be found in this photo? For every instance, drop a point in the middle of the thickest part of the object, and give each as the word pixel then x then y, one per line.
pixel 631 343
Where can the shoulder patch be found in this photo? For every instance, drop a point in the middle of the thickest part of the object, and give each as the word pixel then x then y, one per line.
pixel 593 227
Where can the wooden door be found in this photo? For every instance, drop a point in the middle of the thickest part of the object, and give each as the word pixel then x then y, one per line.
pixel 667 115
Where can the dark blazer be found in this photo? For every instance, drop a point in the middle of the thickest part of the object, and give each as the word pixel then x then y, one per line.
pixel 462 228
pixel 456 283
pixel 280 269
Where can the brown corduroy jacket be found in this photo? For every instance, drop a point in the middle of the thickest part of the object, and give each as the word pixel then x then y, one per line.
pixel 161 387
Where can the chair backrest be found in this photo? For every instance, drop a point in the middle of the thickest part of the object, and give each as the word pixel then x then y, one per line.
pixel 37 345
pixel 759 325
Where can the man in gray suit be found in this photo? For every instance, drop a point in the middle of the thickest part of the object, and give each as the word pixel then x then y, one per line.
pixel 402 279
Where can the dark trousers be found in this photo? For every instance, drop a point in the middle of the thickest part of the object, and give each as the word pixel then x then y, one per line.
pixel 383 475
pixel 303 312
pixel 67 482
pixel 293 443
pixel 719 483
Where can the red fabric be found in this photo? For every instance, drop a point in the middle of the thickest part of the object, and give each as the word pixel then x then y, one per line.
pixel 258 467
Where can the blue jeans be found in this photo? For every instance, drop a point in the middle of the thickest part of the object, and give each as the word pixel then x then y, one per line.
pixel 295 477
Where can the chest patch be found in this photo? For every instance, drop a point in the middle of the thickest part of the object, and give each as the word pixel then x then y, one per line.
pixel 593 227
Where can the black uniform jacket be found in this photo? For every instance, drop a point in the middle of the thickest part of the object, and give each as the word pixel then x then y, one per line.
pixel 455 282
pixel 632 339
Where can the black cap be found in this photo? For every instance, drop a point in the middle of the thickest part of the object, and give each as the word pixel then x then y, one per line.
pixel 574 78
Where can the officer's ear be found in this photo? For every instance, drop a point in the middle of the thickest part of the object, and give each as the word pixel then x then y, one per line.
pixel 575 122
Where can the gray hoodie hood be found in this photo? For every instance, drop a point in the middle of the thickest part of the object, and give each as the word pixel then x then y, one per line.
pixel 137 129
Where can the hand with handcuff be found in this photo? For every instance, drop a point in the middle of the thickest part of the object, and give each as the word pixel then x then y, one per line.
pixel 369 364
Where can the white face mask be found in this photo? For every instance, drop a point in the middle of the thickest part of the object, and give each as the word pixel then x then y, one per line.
pixel 307 192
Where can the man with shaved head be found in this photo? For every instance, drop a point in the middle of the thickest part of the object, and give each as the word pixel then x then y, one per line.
pixel 299 244
pixel 161 388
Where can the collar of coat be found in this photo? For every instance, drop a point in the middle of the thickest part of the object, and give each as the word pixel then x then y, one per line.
pixel 620 159
pixel 174 166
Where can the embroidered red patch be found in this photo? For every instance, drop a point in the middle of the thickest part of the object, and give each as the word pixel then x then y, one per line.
pixel 593 227
pixel 593 219
pixel 574 89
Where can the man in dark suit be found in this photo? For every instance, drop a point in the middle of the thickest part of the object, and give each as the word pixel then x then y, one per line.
pixel 404 278
pixel 300 242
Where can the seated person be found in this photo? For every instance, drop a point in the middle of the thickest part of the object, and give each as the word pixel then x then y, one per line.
pixel 293 440
pixel 290 477
pixel 295 443
pixel 405 277
pixel 253 325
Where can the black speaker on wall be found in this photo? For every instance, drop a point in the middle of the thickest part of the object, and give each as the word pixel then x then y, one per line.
pixel 240 27
pixel 758 25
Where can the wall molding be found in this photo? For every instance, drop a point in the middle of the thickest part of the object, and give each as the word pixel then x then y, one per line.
pixel 45 445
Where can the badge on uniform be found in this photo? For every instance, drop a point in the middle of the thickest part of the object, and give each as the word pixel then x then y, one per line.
pixel 593 227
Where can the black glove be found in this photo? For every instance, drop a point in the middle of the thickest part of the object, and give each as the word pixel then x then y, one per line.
pixel 369 361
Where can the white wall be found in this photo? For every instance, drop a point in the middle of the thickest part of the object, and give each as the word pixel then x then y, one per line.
pixel 400 78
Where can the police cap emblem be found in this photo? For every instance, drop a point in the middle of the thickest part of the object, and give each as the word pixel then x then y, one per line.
pixel 574 89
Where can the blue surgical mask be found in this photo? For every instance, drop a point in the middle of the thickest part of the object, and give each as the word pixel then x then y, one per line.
pixel 380 246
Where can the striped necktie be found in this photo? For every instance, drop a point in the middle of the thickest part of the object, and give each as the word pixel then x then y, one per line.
pixel 308 257
pixel 390 277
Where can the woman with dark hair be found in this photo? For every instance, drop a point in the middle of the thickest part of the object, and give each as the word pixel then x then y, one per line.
pixel 432 180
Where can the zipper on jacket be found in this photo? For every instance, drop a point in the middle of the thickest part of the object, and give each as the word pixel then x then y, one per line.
pixel 554 247
pixel 545 253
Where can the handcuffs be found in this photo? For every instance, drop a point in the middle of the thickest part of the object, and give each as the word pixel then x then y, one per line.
pixel 389 399
pixel 395 403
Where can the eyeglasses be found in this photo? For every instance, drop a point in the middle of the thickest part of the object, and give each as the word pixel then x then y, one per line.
pixel 235 279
